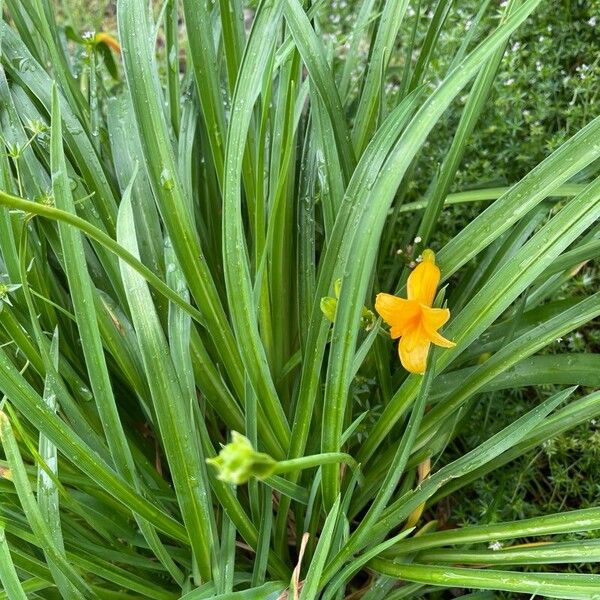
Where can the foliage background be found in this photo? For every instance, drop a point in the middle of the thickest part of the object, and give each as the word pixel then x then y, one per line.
pixel 546 90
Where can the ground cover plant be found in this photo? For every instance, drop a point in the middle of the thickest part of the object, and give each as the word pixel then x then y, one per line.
pixel 200 399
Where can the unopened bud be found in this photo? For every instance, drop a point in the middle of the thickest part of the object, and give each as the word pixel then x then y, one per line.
pixel 238 461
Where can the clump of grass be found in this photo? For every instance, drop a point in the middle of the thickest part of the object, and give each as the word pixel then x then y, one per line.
pixel 169 242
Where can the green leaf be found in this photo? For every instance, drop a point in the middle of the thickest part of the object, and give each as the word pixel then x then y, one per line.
pixel 311 586
pixel 546 553
pixel 166 183
pixel 490 449
pixel 74 585
pixel 8 574
pixel 173 411
pixel 587 519
pixel 554 585
pixel 29 404
pixel 236 267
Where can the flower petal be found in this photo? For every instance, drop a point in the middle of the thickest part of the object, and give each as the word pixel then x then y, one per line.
pixel 433 319
pixel 399 313
pixel 413 349
pixel 440 340
pixel 423 281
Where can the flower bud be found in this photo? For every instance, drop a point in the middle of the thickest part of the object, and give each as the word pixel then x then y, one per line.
pixel 329 307
pixel 238 461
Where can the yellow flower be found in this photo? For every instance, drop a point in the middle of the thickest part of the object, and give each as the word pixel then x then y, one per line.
pixel 413 320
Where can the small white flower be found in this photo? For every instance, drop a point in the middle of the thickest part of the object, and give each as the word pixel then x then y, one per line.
pixel 495 546
pixel 559 340
pixel 418 239
pixel 592 21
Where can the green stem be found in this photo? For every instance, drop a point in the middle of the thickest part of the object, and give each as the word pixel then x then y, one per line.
pixel 316 460
pixel 27 206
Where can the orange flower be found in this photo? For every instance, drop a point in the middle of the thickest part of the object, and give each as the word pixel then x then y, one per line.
pixel 413 320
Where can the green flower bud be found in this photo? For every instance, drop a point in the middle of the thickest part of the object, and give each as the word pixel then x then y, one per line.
pixel 238 461
pixel 329 307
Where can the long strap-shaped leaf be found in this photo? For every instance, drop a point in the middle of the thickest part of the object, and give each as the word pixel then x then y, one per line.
pixel 558 369
pixel 566 552
pixel 47 491
pixel 388 26
pixel 311 50
pixel 551 585
pixel 166 184
pixel 584 520
pixel 200 32
pixel 173 412
pixel 42 18
pixel 8 573
pixel 237 271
